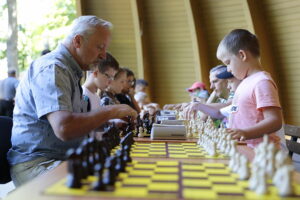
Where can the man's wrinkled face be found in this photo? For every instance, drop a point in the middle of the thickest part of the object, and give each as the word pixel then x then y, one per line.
pixel 92 49
pixel 218 85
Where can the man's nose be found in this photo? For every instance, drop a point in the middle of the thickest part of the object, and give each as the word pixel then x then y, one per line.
pixel 102 54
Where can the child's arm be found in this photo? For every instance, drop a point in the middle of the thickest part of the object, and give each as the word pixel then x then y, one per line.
pixel 271 123
pixel 210 110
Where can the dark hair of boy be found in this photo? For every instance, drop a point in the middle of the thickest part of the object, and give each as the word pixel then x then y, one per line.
pixel 241 39
pixel 128 72
pixel 141 82
pixel 108 62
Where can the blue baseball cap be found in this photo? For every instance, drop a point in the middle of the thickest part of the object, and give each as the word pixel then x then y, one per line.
pixel 224 75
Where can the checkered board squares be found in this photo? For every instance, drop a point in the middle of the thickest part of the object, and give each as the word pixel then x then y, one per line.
pixel 173 180
pixel 171 150
pixel 153 149
pixel 190 150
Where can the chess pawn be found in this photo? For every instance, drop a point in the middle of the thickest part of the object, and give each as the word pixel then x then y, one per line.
pixel 262 182
pixel 236 162
pixel 141 132
pixel 233 150
pixel 231 162
pixel 253 181
pixel 243 171
pixel 212 151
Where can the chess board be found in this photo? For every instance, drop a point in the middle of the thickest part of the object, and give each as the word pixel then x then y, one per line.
pixel 172 180
pixel 171 150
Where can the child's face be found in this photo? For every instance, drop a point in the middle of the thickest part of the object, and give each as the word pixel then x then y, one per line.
pixel 235 63
pixel 102 80
pixel 118 84
pixel 129 83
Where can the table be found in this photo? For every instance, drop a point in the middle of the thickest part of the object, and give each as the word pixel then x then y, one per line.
pixel 34 189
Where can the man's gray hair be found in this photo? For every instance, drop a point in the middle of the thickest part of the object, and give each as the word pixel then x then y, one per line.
pixel 86 26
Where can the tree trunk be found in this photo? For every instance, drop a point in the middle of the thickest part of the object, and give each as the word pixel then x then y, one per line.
pixel 12 40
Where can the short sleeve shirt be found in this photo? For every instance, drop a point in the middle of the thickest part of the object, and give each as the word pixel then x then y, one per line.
pixel 254 93
pixel 93 98
pixel 50 84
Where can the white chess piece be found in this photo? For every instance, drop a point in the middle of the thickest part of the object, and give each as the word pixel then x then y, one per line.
pixel 141 132
pixel 243 171
pixel 236 165
pixel 281 158
pixel 270 168
pixel 253 181
pixel 233 150
pixel 262 182
pixel 283 180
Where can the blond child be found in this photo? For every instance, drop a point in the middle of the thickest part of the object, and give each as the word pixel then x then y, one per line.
pixel 257 109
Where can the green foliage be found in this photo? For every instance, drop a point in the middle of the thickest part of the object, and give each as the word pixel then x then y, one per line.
pixel 32 40
pixel 3 10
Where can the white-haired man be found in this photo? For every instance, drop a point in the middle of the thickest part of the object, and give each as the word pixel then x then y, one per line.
pixel 48 115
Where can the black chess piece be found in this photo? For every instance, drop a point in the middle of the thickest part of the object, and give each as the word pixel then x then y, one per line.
pixel 110 171
pixel 83 162
pixel 120 163
pixel 74 174
pixel 99 185
pixel 126 153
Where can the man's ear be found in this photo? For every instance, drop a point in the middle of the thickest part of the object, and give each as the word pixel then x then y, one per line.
pixel 243 55
pixel 77 41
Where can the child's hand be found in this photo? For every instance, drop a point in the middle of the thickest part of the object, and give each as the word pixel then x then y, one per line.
pixel 237 134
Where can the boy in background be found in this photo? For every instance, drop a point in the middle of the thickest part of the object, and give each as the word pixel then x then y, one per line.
pixel 99 78
pixel 127 95
pixel 257 110
pixel 108 97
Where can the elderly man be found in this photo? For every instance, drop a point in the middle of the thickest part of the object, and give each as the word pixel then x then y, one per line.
pixel 48 115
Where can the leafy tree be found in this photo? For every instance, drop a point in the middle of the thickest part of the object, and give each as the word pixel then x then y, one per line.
pixel 50 32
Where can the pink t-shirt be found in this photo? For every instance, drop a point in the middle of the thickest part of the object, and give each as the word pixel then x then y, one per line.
pixel 254 93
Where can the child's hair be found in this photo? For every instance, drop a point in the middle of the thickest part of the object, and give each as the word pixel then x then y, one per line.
pixel 119 73
pixel 128 71
pixel 241 39
pixel 108 62
pixel 142 82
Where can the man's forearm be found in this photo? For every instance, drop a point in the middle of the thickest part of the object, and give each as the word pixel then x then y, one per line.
pixel 211 111
pixel 67 125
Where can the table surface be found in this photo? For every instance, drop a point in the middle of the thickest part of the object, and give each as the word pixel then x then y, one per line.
pixel 34 189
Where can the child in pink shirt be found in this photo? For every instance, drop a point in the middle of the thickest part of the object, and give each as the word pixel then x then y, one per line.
pixel 256 108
